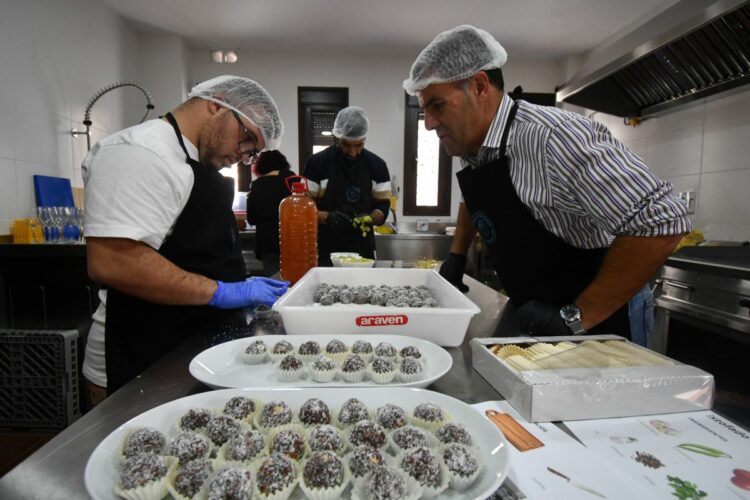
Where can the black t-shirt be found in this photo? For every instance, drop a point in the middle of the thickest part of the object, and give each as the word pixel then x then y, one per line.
pixel 263 210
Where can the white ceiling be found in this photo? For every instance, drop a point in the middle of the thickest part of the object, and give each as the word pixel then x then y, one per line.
pixel 534 29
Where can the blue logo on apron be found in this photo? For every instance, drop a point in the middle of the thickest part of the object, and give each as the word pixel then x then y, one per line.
pixel 352 193
pixel 485 227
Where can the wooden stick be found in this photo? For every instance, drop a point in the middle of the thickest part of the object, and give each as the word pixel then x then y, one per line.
pixel 514 432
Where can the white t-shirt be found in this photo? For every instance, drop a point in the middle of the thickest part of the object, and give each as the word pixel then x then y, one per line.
pixel 137 184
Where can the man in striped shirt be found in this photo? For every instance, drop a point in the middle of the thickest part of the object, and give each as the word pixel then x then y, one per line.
pixel 575 222
pixel 347 181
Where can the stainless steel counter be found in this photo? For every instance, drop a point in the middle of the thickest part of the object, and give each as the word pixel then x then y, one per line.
pixel 55 471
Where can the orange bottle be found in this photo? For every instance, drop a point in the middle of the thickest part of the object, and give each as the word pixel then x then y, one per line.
pixel 298 231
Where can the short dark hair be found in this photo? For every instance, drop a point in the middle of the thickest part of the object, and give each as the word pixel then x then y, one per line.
pixel 496 78
pixel 268 161
pixel 494 75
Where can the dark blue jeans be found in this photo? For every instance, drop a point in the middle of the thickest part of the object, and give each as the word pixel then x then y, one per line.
pixel 641 311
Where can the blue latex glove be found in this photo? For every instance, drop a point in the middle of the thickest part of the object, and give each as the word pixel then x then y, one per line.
pixel 248 293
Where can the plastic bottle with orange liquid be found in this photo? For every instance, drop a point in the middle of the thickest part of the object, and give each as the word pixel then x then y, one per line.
pixel 298 231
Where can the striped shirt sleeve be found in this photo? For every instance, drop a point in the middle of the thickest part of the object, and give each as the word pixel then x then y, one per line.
pixel 592 174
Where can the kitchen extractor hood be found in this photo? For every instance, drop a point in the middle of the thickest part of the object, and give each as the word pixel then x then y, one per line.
pixel 691 50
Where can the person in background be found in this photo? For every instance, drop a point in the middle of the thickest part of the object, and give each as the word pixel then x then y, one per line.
pixel 263 198
pixel 575 222
pixel 160 233
pixel 347 181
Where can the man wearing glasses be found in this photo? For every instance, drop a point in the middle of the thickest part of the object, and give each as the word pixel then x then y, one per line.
pixel 161 234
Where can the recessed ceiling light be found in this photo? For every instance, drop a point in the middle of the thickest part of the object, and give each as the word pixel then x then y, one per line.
pixel 230 56
pixel 217 56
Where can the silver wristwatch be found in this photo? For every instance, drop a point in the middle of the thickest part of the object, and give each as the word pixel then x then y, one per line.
pixel 571 314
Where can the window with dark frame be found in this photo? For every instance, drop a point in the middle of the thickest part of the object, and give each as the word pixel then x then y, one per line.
pixel 427 168
pixel 317 108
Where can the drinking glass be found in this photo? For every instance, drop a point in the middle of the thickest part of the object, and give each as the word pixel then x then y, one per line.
pixel 58 217
pixel 45 217
pixel 79 223
pixel 69 224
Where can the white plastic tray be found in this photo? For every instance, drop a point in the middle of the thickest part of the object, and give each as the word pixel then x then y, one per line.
pixel 103 466
pixel 444 325
pixel 222 366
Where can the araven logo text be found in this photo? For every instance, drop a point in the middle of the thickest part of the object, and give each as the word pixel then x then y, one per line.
pixel 385 320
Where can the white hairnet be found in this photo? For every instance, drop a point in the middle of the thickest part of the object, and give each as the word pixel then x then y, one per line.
pixel 351 124
pixel 247 98
pixel 454 55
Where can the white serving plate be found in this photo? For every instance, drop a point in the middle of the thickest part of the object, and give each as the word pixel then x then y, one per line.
pixel 445 325
pixel 103 466
pixel 222 366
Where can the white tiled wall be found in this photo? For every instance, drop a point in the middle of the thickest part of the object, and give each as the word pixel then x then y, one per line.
pixel 374 83
pixel 703 148
pixel 54 56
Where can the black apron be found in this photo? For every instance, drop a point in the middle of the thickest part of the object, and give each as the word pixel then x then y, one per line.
pixel 532 263
pixel 204 241
pixel 349 190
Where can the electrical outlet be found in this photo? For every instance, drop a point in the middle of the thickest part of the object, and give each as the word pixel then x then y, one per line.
pixel 423 226
pixel 689 198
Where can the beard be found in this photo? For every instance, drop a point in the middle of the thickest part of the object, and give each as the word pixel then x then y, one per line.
pixel 211 144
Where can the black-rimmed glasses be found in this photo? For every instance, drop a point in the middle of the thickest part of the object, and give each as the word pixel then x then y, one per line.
pixel 248 146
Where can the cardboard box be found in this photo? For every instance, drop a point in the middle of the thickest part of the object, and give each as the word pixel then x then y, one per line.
pixel 589 393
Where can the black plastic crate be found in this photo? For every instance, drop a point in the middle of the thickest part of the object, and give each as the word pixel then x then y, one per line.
pixel 38 378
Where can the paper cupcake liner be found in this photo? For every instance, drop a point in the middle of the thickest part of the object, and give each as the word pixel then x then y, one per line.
pixel 430 491
pixel 429 425
pixel 202 491
pixel 409 378
pixel 154 490
pixel 393 359
pixel 387 460
pixel 457 481
pixel 282 494
pixel 413 488
pixel 381 378
pixel 338 357
pixel 309 358
pixel 324 493
pixel 289 375
pixel 366 356
pixel 321 376
pixel 394 448
pixel 277 357
pixel 253 359
pixel 353 377
pixel 296 427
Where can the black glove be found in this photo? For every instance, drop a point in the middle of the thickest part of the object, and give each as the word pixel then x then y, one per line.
pixel 339 220
pixel 539 319
pixel 453 270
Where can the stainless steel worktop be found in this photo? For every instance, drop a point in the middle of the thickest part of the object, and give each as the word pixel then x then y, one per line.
pixel 55 471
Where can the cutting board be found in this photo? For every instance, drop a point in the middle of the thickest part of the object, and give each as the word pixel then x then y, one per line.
pixel 53 191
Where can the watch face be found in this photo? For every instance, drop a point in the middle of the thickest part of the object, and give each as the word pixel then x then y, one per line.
pixel 570 313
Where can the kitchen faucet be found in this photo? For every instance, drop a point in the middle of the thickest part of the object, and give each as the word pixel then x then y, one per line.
pixel 87 115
